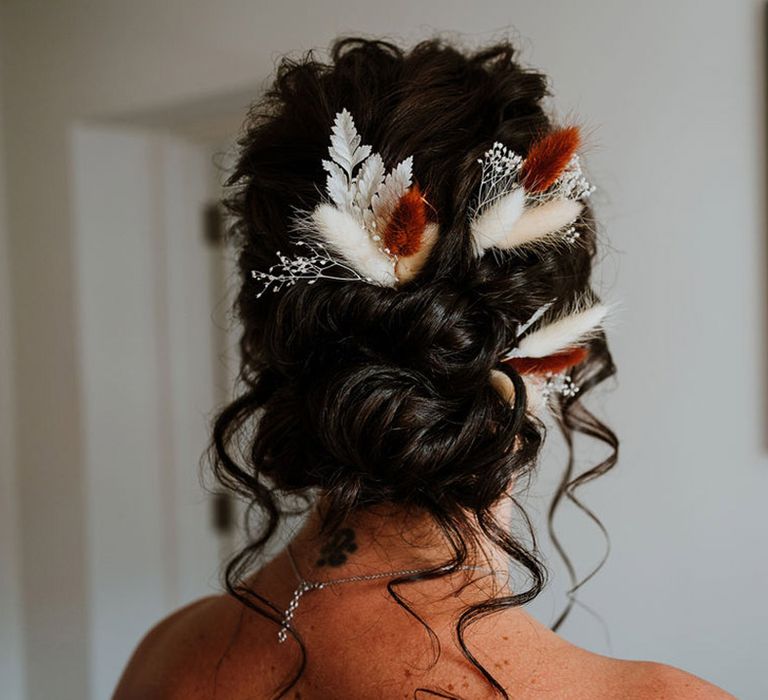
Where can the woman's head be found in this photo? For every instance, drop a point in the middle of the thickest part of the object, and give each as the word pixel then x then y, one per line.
pixel 374 394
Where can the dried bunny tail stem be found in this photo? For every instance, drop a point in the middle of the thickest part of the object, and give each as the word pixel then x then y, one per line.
pixel 342 233
pixel 548 158
pixel 562 334
pixel 535 316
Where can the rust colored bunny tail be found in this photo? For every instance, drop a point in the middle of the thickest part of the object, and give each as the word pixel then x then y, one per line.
pixel 405 229
pixel 548 158
pixel 552 364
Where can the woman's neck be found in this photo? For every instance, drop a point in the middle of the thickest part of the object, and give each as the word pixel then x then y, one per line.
pixel 387 539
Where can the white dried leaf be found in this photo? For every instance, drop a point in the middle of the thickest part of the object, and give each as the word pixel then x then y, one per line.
pixel 395 185
pixel 344 140
pixel 360 154
pixel 345 148
pixel 369 181
pixel 337 186
pixel 369 222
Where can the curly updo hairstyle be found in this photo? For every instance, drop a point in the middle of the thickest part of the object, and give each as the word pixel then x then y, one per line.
pixel 376 395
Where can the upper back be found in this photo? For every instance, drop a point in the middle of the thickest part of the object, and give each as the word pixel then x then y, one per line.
pixel 216 648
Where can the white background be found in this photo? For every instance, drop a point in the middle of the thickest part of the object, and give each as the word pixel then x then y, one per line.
pixel 673 94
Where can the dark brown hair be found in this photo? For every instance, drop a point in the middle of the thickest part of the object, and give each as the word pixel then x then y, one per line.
pixel 369 394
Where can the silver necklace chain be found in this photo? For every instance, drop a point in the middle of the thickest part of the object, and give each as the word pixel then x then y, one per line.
pixel 306 586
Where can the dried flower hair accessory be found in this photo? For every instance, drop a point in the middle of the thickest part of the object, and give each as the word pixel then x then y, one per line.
pixel 545 356
pixel 374 224
pixel 531 200
pixel 523 200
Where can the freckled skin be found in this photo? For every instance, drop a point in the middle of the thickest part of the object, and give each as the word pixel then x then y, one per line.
pixel 351 657
pixel 361 644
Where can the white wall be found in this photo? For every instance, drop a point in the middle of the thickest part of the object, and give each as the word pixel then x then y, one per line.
pixel 147 369
pixel 674 91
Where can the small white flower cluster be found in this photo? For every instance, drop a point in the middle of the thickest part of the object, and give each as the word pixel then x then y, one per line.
pixel 559 384
pixel 572 184
pixel 571 235
pixel 499 175
pixel 311 267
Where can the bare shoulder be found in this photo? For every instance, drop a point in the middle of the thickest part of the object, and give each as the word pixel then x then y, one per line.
pixel 168 660
pixel 560 669
pixel 657 680
pixel 600 676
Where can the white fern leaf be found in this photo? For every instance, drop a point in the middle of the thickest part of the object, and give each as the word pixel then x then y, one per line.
pixel 369 181
pixel 337 186
pixel 332 167
pixel 344 140
pixel 370 223
pixel 395 185
pixel 403 173
pixel 345 148
pixel 360 154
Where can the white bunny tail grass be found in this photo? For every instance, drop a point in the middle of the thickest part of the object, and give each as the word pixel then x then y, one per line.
pixel 346 237
pixel 566 332
pixel 540 221
pixel 491 228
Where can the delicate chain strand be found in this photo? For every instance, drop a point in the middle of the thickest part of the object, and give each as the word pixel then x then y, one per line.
pixel 306 586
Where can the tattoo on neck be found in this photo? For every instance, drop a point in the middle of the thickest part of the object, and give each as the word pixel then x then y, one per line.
pixel 334 551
